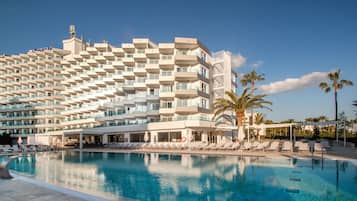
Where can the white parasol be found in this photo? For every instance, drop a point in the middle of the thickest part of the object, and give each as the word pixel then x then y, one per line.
pixel 19 141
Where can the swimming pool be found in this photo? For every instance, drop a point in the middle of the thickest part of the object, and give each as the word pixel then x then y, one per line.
pixel 153 176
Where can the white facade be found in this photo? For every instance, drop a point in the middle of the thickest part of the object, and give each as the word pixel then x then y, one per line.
pixel 162 91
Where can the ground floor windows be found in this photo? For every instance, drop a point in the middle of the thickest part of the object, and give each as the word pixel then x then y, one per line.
pixel 169 137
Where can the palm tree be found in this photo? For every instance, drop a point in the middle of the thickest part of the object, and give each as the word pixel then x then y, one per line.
pixel 336 83
pixel 239 104
pixel 259 118
pixel 354 103
pixel 251 78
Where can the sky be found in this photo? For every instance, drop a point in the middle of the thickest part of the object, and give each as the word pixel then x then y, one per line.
pixel 294 43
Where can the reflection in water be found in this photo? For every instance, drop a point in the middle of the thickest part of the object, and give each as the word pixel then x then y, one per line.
pixel 153 176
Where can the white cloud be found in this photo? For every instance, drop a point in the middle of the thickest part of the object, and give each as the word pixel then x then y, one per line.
pixel 257 64
pixel 291 84
pixel 238 60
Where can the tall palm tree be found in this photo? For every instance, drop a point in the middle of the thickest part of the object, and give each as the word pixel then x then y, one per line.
pixel 335 84
pixel 251 78
pixel 239 104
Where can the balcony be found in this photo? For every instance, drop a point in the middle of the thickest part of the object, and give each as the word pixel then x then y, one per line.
pixel 84 76
pixel 166 78
pixel 139 85
pixel 92 62
pixel 166 110
pixel 152 53
pixel 152 82
pixel 78 58
pixel 128 74
pixel 182 59
pixel 92 74
pixel 84 65
pixel 92 50
pixel 189 76
pixel 108 55
pixel 186 109
pixel 117 77
pixel 100 71
pixel 109 80
pixel 119 64
pixel 140 57
pixel 167 63
pixel 186 93
pixel 101 46
pixel 128 47
pixel 139 71
pixel 84 54
pixel 108 68
pixel 167 94
pixel 118 51
pixel 99 58
pixel 141 42
pixel 79 121
pixel 152 67
pixel 129 61
pixel 166 48
pixel 186 43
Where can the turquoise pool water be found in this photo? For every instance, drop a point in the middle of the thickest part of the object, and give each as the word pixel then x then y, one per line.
pixel 185 177
pixel 3 158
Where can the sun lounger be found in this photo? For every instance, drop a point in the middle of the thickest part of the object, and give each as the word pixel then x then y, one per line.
pixel 325 144
pixel 287 146
pixel 262 146
pixel 235 146
pixel 209 147
pixel 319 148
pixel 227 146
pixel 274 146
pixel 246 146
pixel 302 146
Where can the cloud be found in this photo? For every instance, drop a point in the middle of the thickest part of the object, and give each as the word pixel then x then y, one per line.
pixel 257 64
pixel 291 84
pixel 238 60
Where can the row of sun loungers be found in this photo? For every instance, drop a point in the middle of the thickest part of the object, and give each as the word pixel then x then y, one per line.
pixel 246 146
pixel 8 148
pixel 26 148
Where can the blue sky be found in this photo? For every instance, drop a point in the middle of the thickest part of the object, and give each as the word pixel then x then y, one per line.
pixel 289 38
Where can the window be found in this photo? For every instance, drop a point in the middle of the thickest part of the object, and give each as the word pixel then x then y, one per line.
pixel 203 87
pixel 204 103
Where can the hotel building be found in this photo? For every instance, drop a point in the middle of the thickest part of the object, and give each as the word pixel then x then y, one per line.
pixel 137 92
pixel 31 93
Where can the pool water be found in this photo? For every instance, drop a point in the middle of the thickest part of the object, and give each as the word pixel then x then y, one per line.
pixel 153 176
pixel 3 158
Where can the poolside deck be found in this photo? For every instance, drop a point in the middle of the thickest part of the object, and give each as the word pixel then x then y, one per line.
pixel 16 190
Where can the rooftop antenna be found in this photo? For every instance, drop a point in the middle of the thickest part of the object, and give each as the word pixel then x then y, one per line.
pixel 72 31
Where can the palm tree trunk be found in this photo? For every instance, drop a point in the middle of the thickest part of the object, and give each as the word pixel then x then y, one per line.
pixel 240 118
pixel 251 113
pixel 336 115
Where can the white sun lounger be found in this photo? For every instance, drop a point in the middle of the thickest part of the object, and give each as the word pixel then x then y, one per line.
pixel 262 146
pixel 227 146
pixel 235 146
pixel 274 146
pixel 246 146
pixel 287 146
pixel 319 148
pixel 302 146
